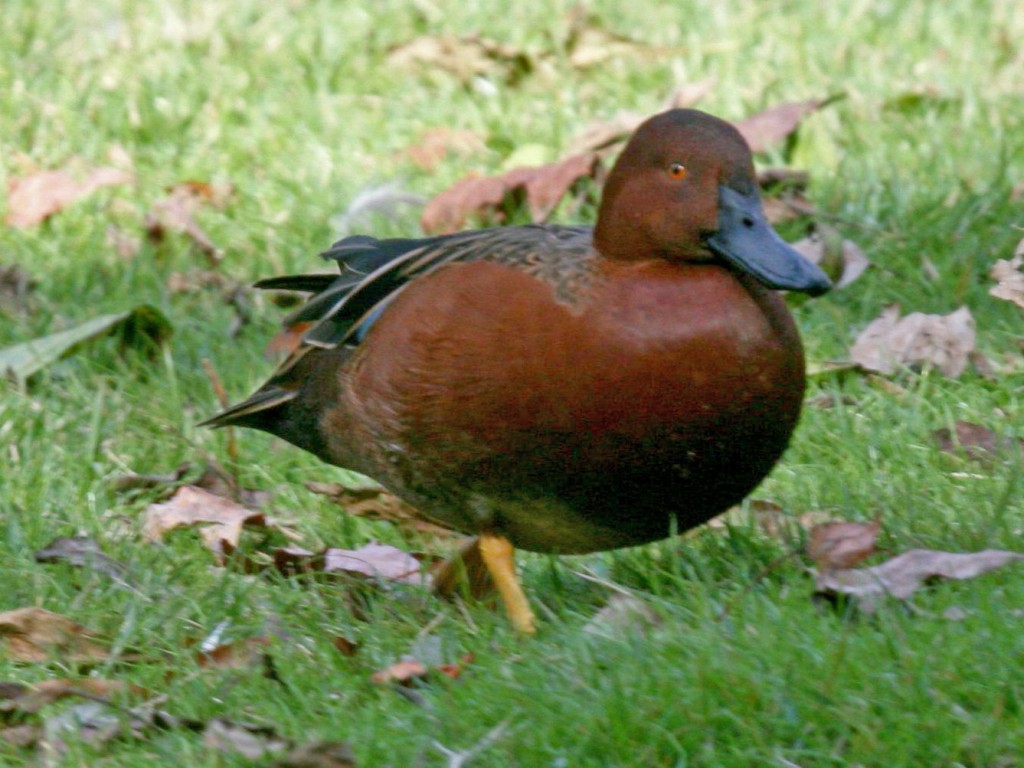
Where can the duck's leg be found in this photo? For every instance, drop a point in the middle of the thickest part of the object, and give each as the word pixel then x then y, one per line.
pixel 499 556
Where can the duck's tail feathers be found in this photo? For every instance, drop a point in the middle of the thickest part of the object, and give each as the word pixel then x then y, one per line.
pixel 243 413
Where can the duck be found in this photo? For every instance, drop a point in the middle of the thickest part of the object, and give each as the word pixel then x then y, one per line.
pixel 558 388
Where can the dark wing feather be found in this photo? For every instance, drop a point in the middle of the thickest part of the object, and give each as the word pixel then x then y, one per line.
pixel 373 272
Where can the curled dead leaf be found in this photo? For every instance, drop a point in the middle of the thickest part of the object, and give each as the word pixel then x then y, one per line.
pixel 1009 276
pixel 222 519
pixel 378 561
pixel 975 441
pixel 400 672
pixel 81 552
pixel 917 340
pixel 542 188
pixel 842 544
pixel 37 635
pixel 466 57
pixel 175 213
pixel 772 125
pixel 17 697
pixel 33 199
pixel 904 574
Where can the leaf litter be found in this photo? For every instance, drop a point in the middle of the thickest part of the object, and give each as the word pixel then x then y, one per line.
pixel 33 199
pixel 919 340
pixel 37 635
pixel 1009 277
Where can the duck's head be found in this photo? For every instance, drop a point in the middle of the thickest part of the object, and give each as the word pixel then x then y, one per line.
pixel 684 189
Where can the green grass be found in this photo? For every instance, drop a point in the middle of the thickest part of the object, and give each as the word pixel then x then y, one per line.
pixel 294 104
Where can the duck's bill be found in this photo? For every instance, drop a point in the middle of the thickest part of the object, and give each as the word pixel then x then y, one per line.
pixel 747 241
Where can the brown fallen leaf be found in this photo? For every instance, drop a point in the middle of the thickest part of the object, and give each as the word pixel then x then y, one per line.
pixel 37 635
pixel 917 340
pixel 22 736
pixel 250 652
pixel 319 754
pixel 842 544
pixel 841 259
pixel 345 646
pixel 16 286
pixel 402 671
pixel 375 503
pixel 175 213
pixel 904 574
pixel 975 441
pixel 466 57
pixel 772 125
pixel 542 188
pixel 1009 276
pixel 588 43
pixel 33 199
pixel 222 519
pixel 381 562
pixel 251 741
pixel 377 561
pixel 434 144
pixel 82 552
pixel 27 699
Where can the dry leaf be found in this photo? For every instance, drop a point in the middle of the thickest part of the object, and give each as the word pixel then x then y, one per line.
pixel 375 503
pixel 842 260
pixel 942 341
pixel 588 44
pixel 27 699
pixel 222 518
pixel 975 441
pixel 251 741
pixel 345 646
pixel 81 552
pixel 904 574
pixel 319 754
pixel 378 561
pixel 33 199
pixel 435 144
pixel 400 672
pixel 174 213
pixel 542 187
pixel 249 652
pixel 842 544
pixel 1009 274
pixel 777 123
pixel 36 635
pixel 15 287
pixel 465 57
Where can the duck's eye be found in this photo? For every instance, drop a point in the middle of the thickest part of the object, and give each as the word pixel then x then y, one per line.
pixel 677 171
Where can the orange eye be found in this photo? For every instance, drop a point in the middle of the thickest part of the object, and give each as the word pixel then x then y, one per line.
pixel 677 171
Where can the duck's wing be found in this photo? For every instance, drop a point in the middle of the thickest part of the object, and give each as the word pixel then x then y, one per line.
pixel 373 272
